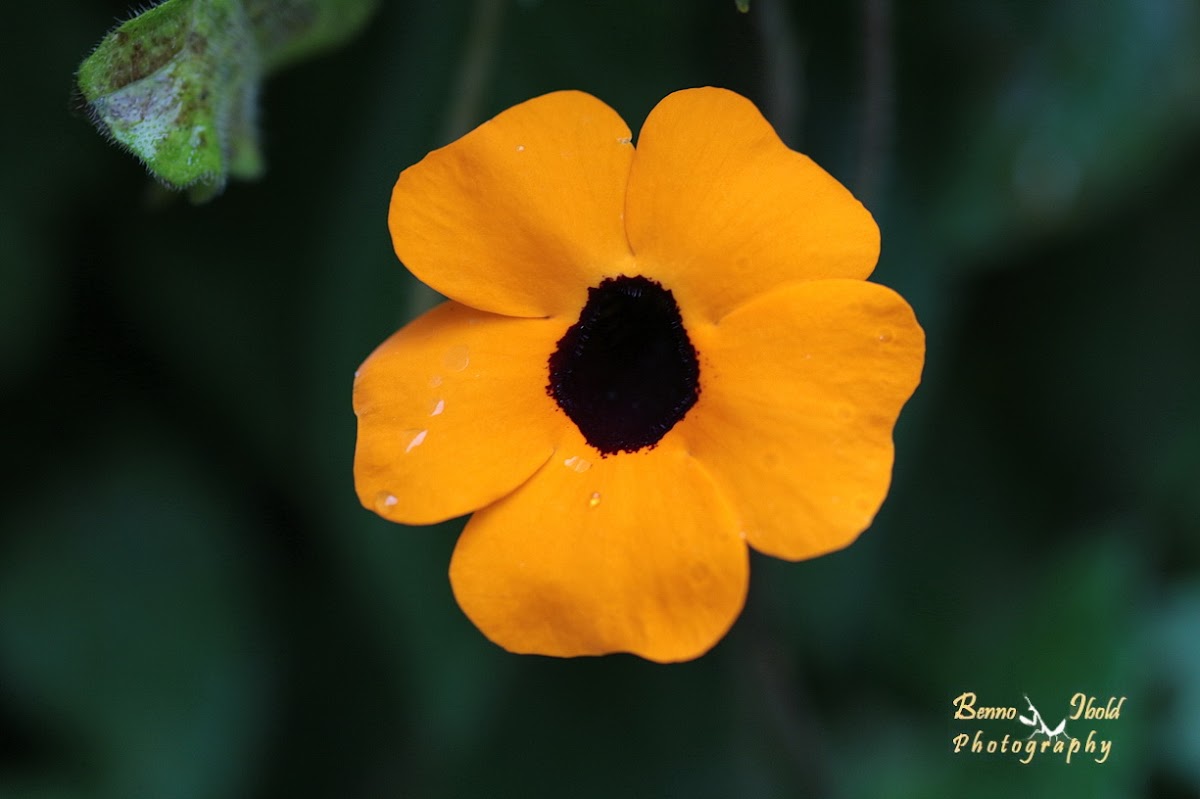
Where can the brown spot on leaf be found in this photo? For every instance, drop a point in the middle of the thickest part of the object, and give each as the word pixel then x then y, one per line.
pixel 137 61
pixel 197 43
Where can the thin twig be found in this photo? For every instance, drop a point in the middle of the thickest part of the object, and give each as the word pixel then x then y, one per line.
pixel 877 100
pixel 466 102
pixel 473 74
pixel 784 67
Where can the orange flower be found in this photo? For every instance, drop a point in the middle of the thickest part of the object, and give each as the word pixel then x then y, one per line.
pixel 650 358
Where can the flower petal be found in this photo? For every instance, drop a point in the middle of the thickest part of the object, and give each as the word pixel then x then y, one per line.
pixel 800 390
pixel 720 210
pixel 631 553
pixel 453 413
pixel 522 214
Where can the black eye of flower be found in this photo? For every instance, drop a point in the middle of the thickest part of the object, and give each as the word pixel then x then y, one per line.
pixel 626 372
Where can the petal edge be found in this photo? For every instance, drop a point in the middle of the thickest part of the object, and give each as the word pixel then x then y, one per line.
pixel 521 214
pixel 586 562
pixel 453 413
pixel 795 421
pixel 722 210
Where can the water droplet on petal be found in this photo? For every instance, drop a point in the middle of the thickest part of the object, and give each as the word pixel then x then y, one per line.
pixel 435 381
pixel 577 464
pixel 594 499
pixel 438 408
pixel 885 336
pixel 415 439
pixel 385 500
pixel 520 148
pixel 457 358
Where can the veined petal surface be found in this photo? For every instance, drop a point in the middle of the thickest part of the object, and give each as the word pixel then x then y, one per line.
pixel 720 210
pixel 522 214
pixel 801 388
pixel 630 553
pixel 453 413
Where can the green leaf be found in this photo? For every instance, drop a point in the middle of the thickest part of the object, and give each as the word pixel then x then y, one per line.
pixel 178 85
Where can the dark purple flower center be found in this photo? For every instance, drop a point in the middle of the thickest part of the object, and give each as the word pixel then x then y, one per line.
pixel 626 372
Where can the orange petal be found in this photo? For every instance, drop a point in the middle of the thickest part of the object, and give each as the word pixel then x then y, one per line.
pixel 720 210
pixel 631 553
pixel 522 214
pixel 800 390
pixel 453 413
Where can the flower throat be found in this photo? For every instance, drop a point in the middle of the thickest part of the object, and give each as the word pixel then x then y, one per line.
pixel 626 372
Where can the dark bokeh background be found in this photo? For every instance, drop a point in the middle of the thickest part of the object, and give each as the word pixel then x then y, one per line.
pixel 192 603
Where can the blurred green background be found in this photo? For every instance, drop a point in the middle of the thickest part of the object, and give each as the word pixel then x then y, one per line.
pixel 193 604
